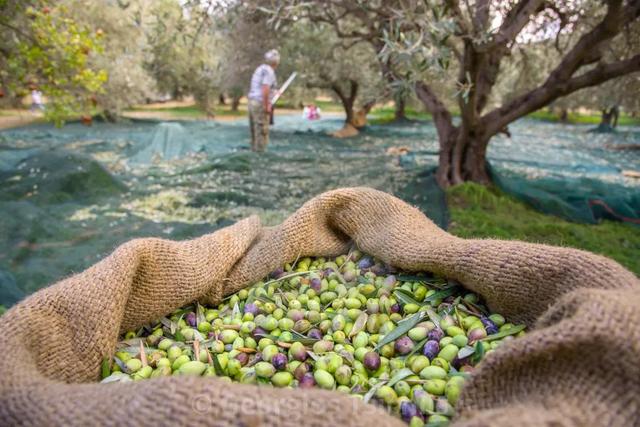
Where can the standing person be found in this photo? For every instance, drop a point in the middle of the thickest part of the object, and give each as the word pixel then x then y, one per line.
pixel 261 92
pixel 36 100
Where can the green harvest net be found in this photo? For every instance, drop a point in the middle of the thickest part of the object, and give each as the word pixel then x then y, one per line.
pixel 69 196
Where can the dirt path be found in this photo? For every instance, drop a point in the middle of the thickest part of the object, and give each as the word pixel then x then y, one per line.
pixel 14 118
pixel 168 115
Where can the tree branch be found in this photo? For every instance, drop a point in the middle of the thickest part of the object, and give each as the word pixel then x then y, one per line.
pixel 553 90
pixel 441 116
pixel 517 18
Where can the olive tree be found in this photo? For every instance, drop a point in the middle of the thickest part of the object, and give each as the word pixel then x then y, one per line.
pixel 126 51
pixel 469 43
pixel 42 47
pixel 350 73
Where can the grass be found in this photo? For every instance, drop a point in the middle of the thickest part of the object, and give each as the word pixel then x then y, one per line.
pixel 383 115
pixel 583 119
pixel 482 212
pixel 194 111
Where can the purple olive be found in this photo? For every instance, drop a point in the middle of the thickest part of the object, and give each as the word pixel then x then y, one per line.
pixel 457 363
pixel 408 410
pixel 390 281
pixel 315 334
pixel 378 270
pixel 315 284
pixel 395 308
pixel 365 262
pixel 403 345
pixel 371 360
pixel 295 315
pixel 251 308
pixel 277 273
pixel 307 381
pixel 489 326
pixel 258 333
pixel 431 349
pixel 243 358
pixel 435 334
pixel 298 352
pixel 300 371
pixel 279 361
pixel 190 318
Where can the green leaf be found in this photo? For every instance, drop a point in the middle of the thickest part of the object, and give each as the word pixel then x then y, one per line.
pixel 466 351
pixel 216 365
pixel 121 365
pixel 479 353
pixel 411 278
pixel 347 356
pixel 511 331
pixel 367 397
pixel 433 316
pixel 116 377
pixel 296 336
pixel 402 374
pixel 402 328
pixel 416 348
pixel 199 314
pixel 441 294
pixel 312 355
pixel 405 297
pixel 105 368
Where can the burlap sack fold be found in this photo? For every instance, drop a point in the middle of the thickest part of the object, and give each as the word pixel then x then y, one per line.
pixel 580 366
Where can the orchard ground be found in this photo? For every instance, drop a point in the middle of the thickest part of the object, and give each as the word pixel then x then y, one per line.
pixel 65 235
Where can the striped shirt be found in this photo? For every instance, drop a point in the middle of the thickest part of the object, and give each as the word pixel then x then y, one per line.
pixel 264 75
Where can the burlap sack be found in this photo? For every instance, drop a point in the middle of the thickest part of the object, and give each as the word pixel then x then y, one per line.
pixel 579 366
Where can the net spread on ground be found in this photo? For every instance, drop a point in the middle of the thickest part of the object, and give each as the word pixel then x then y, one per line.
pixel 70 195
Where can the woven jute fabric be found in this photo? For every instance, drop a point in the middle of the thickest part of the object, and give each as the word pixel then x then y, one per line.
pixel 579 365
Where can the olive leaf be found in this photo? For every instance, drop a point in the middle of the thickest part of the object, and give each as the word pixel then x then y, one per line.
pixel 402 374
pixel 411 278
pixel 236 310
pixel 511 331
pixel 296 336
pixel 199 314
pixel 466 351
pixel 367 397
pixel 216 365
pixel 405 297
pixel 116 377
pixel 479 353
pixel 123 367
pixel 442 294
pixel 416 348
pixel 402 328
pixel 105 369
pixel 348 357
pixel 433 316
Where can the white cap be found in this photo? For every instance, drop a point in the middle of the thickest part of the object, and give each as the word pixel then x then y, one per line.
pixel 272 57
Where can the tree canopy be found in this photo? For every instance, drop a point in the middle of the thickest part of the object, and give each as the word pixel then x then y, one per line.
pixel 467 45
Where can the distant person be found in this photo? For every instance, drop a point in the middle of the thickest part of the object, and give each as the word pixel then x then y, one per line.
pixel 311 112
pixel 36 100
pixel 261 92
